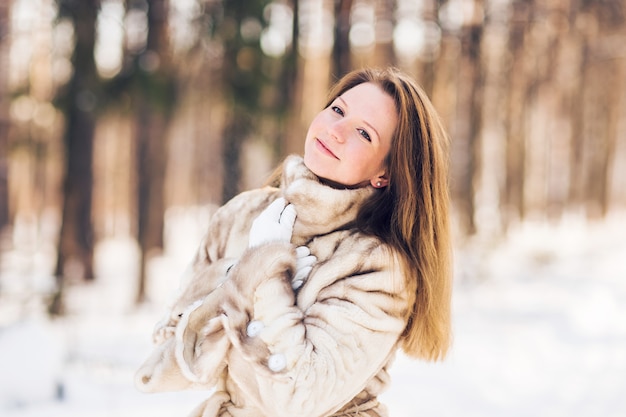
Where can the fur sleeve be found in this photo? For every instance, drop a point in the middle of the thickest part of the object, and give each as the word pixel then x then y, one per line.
pixel 224 241
pixel 310 359
pixel 193 356
pixel 226 238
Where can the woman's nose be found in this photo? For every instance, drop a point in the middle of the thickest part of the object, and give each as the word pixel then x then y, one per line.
pixel 338 131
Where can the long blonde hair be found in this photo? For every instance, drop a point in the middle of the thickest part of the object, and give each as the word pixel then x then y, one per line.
pixel 412 212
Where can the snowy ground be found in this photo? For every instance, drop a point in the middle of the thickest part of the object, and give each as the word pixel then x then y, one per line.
pixel 539 319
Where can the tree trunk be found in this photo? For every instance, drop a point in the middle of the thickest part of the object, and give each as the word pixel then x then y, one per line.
pixel 558 86
pixel 237 127
pixel 466 150
pixel 243 82
pixel 605 88
pixel 154 101
pixel 291 141
pixel 576 108
pixel 341 48
pixel 516 90
pixel 76 240
pixel 4 114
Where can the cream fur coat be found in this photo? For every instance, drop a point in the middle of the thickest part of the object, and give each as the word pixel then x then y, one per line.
pixel 240 330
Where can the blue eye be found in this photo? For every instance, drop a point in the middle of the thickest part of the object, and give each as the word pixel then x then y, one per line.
pixel 337 110
pixel 365 134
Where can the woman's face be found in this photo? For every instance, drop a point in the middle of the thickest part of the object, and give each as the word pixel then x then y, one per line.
pixel 348 141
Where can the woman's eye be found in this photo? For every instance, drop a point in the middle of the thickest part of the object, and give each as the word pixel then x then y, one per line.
pixel 365 134
pixel 337 110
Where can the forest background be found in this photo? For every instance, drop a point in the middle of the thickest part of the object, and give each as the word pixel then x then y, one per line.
pixel 117 116
pixel 113 112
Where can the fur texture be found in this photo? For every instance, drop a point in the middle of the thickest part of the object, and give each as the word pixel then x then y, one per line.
pixel 269 350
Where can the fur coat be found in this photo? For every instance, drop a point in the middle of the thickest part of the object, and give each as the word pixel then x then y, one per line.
pixel 263 348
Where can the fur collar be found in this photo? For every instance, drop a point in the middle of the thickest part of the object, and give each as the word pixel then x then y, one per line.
pixel 321 209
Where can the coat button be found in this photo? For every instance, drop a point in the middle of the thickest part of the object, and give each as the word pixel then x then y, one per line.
pixel 277 362
pixel 254 328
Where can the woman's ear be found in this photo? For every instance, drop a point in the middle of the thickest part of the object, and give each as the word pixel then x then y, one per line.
pixel 380 181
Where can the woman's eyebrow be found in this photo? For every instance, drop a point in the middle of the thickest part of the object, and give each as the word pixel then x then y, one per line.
pixel 364 121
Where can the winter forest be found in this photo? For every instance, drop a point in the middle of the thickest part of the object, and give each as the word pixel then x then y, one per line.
pixel 125 123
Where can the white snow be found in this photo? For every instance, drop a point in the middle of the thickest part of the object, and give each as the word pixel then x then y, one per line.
pixel 539 324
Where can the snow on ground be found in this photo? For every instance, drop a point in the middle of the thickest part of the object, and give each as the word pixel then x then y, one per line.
pixel 539 323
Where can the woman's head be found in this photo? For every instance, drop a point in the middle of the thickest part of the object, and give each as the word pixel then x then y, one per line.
pixel 348 141
pixel 413 116
pixel 410 209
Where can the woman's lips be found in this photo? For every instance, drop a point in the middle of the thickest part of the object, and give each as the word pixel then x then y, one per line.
pixel 324 148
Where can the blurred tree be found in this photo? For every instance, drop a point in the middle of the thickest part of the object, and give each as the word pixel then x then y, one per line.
pixel 517 93
pixel 78 101
pixel 575 107
pixel 155 98
pixel 430 49
pixel 197 122
pixel 239 30
pixel 604 31
pixel 341 48
pixel 289 89
pixel 249 80
pixel 466 150
pixel 4 113
pixel 289 140
pixel 145 89
pixel 557 84
pixel 384 54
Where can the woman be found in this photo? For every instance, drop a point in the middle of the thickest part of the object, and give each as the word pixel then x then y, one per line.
pixel 306 291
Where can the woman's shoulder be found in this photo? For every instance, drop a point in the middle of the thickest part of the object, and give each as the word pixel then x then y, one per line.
pixel 357 250
pixel 354 240
pixel 364 272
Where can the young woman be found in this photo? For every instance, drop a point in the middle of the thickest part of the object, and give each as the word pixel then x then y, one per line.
pixel 306 290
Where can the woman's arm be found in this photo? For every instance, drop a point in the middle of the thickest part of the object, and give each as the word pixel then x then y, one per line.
pixel 227 236
pixel 224 241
